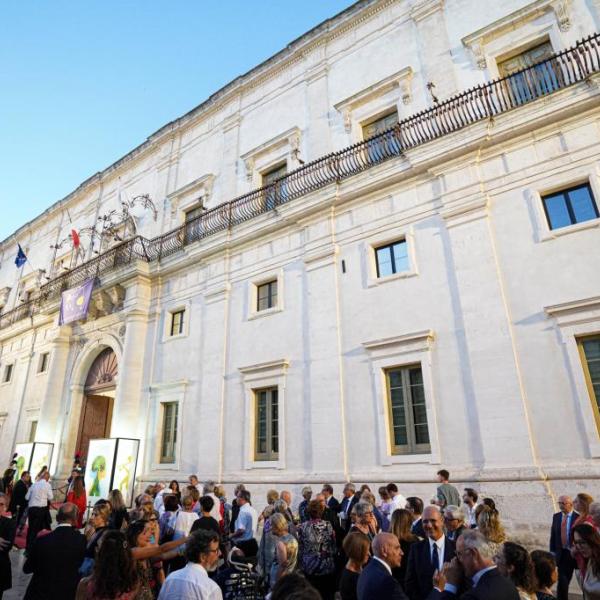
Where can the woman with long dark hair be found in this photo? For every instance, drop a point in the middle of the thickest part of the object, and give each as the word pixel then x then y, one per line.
pixel 401 527
pixel 119 517
pixel 139 534
pixel 514 562
pixel 586 540
pixel 546 574
pixel 174 489
pixel 114 576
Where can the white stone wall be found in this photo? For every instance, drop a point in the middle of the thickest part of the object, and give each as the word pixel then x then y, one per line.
pixel 482 308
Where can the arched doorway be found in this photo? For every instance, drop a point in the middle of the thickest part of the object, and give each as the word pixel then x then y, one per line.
pixel 99 393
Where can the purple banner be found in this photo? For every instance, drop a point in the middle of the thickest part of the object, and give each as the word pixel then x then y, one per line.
pixel 74 303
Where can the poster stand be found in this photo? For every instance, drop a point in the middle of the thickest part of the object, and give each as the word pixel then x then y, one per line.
pixel 111 464
pixel 32 456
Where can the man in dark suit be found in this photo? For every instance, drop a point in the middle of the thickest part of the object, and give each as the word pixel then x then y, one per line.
pixel 54 559
pixel 347 505
pixel 331 502
pixel 415 506
pixel 473 560
pixel 18 504
pixel 376 581
pixel 560 534
pixel 428 555
pixel 328 514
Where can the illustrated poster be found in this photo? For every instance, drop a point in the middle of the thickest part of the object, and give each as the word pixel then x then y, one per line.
pixel 41 457
pixel 23 458
pixel 98 470
pixel 125 463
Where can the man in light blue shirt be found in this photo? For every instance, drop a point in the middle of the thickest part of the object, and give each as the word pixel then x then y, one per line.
pixel 245 525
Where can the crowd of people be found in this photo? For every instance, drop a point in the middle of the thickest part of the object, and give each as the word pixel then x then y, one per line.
pixel 191 542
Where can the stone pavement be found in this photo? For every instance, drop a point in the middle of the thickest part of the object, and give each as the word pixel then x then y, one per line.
pixel 19 579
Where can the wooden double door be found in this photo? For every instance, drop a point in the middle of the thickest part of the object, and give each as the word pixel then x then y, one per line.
pixel 96 416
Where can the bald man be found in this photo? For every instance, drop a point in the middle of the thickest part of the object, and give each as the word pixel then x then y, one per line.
pixel 560 536
pixel 376 581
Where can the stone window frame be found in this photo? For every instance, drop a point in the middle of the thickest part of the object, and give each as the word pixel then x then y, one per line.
pixel 381 98
pixel 197 193
pixel 555 183
pixel 40 370
pixel 163 410
pixel 370 256
pixel 8 371
pixel 272 374
pixel 575 320
pixel 163 393
pixel 169 311
pixel 253 312
pixel 398 352
pixel 275 152
pixel 516 32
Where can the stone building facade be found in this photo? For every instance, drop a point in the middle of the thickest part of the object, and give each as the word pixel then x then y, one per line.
pixel 436 304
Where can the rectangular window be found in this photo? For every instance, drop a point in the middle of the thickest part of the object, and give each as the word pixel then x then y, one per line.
pixel 8 371
pixel 44 360
pixel 392 258
pixel 169 432
pixel 277 194
pixel 567 207
pixel 380 125
pixel 32 431
pixel 378 148
pixel 525 85
pixel 197 211
pixel 177 318
pixel 589 349
pixel 266 295
pixel 267 424
pixel 407 412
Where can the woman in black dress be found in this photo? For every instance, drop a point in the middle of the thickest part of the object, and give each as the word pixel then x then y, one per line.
pixel 356 547
pixel 8 528
pixel 401 523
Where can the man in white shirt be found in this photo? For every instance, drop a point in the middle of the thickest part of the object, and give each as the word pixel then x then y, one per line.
pixel 246 525
pixel 159 501
pixel 398 500
pixel 39 497
pixel 209 490
pixel 192 582
pixel 470 498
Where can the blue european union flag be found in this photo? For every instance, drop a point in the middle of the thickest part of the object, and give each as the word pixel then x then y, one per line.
pixel 21 258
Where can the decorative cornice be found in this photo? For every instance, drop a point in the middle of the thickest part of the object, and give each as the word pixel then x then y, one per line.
pixel 466 212
pixel 401 79
pixel 575 311
pixel 476 41
pixel 409 342
pixel 425 8
pixel 275 365
pixel 202 186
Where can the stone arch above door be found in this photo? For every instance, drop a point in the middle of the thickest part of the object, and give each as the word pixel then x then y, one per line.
pixel 103 372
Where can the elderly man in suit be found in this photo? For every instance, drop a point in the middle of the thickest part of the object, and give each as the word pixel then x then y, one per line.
pixel 54 559
pixel 473 560
pixel 454 518
pixel 428 556
pixel 376 581
pixel 560 534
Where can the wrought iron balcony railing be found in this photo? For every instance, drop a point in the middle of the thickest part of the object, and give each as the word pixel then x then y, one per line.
pixel 562 70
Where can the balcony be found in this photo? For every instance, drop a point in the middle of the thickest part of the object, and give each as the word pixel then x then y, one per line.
pixel 486 101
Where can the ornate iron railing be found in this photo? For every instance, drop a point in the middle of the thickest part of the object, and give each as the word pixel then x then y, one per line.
pixel 484 101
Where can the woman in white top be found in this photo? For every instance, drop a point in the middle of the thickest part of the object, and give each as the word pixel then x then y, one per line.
pixel 185 518
pixel 586 540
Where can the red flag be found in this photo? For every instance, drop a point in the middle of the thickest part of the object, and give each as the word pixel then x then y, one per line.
pixel 75 238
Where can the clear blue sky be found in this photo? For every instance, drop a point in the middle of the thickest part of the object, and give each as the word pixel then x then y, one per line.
pixel 82 83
